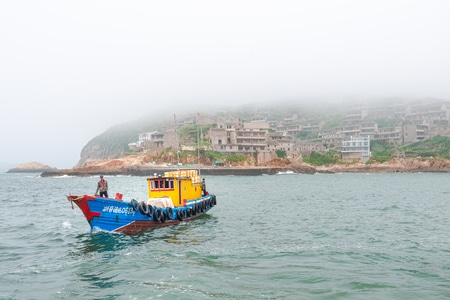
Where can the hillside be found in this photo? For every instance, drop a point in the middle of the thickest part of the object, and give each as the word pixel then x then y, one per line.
pixel 113 143
pixel 323 128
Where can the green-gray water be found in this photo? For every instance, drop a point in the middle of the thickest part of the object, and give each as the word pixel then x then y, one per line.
pixel 340 236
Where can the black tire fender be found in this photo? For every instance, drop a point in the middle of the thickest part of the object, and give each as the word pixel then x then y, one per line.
pixel 156 214
pixel 134 204
pixel 169 213
pixel 143 208
pixel 180 215
pixel 150 211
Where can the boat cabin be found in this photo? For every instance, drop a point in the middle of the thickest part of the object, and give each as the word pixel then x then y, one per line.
pixel 180 186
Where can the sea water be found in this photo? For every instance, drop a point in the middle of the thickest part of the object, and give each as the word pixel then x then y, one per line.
pixel 296 236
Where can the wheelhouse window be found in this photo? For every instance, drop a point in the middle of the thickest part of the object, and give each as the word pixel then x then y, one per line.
pixel 162 184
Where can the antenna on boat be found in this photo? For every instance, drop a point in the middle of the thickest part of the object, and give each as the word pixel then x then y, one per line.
pixel 198 140
pixel 177 141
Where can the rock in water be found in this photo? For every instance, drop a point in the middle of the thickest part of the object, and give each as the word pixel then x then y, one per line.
pixel 31 167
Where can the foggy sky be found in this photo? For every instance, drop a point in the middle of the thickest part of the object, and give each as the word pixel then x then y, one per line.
pixel 70 70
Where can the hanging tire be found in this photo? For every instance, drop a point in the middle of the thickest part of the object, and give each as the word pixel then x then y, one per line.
pixel 150 211
pixel 134 204
pixel 143 208
pixel 180 215
pixel 202 206
pixel 157 215
pixel 169 213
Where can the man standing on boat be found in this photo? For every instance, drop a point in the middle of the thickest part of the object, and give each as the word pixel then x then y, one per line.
pixel 102 186
pixel 204 187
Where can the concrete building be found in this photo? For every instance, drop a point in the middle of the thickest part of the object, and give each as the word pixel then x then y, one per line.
pixel 390 135
pixel 251 139
pixel 145 136
pixel 357 148
pixel 222 134
pixel 356 114
pixel 306 148
pixel 152 140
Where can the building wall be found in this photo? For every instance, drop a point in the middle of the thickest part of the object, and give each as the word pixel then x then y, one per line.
pixel 265 156
pixel 256 125
pixel 409 134
pixel 351 148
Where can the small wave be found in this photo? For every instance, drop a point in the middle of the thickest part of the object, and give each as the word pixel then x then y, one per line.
pixel 64 176
pixel 286 173
pixel 32 176
pixel 390 207
pixel 66 225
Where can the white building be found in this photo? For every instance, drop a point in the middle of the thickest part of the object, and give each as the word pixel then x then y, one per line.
pixel 146 136
pixel 357 148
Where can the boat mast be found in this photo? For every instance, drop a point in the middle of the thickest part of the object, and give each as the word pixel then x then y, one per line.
pixel 176 137
pixel 198 140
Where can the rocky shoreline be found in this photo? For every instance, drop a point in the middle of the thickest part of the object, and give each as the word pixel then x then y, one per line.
pixel 404 165
pixel 135 166
pixel 127 167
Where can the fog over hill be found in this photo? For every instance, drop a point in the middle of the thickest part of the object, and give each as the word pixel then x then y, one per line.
pixel 113 143
pixel 71 70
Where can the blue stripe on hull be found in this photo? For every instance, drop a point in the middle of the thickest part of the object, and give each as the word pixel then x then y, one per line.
pixel 113 214
pixel 118 216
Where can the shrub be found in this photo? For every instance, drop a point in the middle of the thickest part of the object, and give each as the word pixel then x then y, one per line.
pixel 235 157
pixel 281 153
pixel 213 155
pixel 319 159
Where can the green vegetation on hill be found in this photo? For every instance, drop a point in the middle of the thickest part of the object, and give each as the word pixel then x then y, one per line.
pixel 322 159
pixel 438 146
pixel 281 153
pixel 189 130
pixel 114 141
pixel 192 133
pixel 381 151
pixel 219 156
pixel 307 135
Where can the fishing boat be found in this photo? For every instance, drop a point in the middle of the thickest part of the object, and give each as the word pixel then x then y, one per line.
pixel 173 197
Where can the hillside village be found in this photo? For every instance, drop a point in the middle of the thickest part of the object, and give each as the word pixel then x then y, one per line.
pixel 293 136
